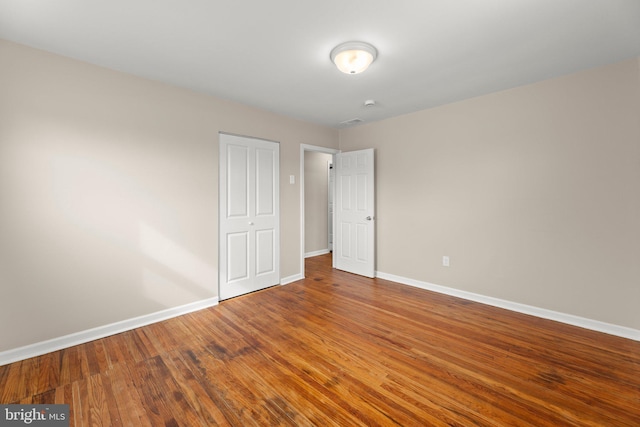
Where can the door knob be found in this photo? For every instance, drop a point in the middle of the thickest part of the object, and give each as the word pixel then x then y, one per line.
pixel 369 218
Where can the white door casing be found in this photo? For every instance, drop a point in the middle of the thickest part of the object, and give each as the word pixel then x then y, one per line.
pixel 330 205
pixel 354 233
pixel 249 215
pixel 303 149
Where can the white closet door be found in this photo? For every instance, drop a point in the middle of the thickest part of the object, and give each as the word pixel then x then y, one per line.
pixel 249 215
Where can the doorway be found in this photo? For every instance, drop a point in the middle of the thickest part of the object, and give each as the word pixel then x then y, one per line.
pixel 316 223
pixel 354 210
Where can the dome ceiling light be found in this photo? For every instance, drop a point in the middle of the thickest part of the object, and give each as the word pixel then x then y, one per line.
pixel 353 57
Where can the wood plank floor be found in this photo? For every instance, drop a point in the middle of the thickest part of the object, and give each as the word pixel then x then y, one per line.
pixel 339 350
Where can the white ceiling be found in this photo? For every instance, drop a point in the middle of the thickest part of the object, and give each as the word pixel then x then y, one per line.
pixel 275 54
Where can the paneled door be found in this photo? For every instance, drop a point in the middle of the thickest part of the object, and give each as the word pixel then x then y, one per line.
pixel 354 249
pixel 249 215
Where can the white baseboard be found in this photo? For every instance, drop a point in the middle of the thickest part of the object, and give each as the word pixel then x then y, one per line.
pixel 40 348
pixel 291 279
pixel 316 253
pixel 595 325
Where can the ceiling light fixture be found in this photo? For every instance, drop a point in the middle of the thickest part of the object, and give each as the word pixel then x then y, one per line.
pixel 353 57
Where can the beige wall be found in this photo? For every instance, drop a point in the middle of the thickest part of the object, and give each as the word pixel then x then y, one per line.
pixel 533 192
pixel 316 201
pixel 108 193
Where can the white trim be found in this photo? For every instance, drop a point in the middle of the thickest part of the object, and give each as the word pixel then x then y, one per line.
pixel 303 148
pixel 316 253
pixel 291 279
pixel 594 325
pixel 54 344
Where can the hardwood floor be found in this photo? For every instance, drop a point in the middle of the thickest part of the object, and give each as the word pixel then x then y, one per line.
pixel 338 349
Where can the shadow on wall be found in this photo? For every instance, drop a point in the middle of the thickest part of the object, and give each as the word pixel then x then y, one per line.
pixel 77 248
pixel 165 282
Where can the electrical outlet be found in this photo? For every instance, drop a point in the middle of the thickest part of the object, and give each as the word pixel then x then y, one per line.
pixel 445 261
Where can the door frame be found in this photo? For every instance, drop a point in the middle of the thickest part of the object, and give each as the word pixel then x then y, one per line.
pixel 303 148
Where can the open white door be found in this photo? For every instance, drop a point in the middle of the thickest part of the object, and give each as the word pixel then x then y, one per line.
pixel 354 249
pixel 249 215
